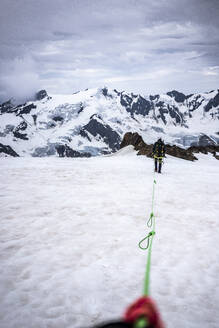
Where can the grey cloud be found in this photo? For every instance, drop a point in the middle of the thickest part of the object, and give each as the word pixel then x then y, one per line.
pixel 19 80
pixel 167 51
pixel 114 38
pixel 174 37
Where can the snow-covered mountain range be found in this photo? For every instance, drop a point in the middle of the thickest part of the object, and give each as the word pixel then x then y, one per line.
pixel 95 120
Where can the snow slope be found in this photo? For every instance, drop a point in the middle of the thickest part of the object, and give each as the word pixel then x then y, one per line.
pixel 69 240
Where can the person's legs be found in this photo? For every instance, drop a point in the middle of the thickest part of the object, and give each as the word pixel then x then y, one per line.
pixel 155 164
pixel 160 165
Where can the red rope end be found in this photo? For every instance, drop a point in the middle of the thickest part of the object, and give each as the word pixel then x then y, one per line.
pixel 144 307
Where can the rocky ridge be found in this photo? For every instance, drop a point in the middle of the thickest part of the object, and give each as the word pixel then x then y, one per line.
pixel 136 140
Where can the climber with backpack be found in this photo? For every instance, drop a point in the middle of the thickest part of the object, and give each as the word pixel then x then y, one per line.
pixel 158 154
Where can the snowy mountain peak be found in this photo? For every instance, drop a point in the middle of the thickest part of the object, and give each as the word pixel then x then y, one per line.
pixel 95 120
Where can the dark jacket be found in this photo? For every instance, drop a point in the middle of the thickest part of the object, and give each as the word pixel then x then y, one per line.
pixel 159 149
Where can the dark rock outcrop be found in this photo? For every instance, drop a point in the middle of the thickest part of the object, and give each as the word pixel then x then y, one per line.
pixel 135 106
pixel 205 149
pixel 19 135
pixel 21 127
pixel 204 141
pixel 8 150
pixel 26 109
pixel 58 118
pixel 106 93
pixel 6 107
pixel 69 152
pixel 136 140
pixel 178 96
pixel 180 152
pixel 212 103
pixel 141 106
pixel 60 150
pixel 66 151
pixel 155 97
pixel 41 95
pixel 34 119
pixel 97 128
pixel 81 108
pixel 176 114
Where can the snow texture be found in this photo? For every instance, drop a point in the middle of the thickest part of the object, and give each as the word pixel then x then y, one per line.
pixel 69 240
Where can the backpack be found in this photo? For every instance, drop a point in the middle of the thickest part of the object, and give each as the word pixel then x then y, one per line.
pixel 159 149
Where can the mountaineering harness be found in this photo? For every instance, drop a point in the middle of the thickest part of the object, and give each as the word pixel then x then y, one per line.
pixel 143 313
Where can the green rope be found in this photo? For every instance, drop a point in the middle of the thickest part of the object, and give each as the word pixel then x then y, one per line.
pixel 149 238
pixel 150 221
pixel 141 323
pixel 148 267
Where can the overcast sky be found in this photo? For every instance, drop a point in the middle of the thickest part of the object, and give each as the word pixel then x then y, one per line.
pixel 144 46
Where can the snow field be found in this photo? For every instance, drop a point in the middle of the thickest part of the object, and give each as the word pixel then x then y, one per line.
pixel 69 240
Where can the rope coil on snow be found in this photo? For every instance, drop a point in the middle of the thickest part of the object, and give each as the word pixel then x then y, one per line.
pixel 148 240
pixel 150 220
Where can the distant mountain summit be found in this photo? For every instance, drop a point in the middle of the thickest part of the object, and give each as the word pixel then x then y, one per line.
pixel 94 121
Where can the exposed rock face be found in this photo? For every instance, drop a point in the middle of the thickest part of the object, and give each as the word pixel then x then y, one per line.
pixel 41 95
pixel 61 150
pixel 213 103
pixel 165 111
pixel 204 141
pixel 178 96
pixel 205 150
pixel 194 104
pixel 25 109
pixel 106 93
pixel 136 140
pixel 47 150
pixel 58 118
pixel 21 127
pixel 19 110
pixel 66 151
pixel 73 153
pixel 135 104
pixel 180 153
pixel 6 107
pixel 8 150
pixel 96 127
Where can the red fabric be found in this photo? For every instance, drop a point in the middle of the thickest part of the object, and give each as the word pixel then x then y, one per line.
pixel 144 307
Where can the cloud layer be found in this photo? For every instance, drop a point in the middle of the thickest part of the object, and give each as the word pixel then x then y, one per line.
pixel 138 45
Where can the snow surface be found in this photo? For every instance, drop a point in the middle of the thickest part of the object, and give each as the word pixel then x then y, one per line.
pixel 69 240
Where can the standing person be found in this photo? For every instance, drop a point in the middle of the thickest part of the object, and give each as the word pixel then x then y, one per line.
pixel 158 154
